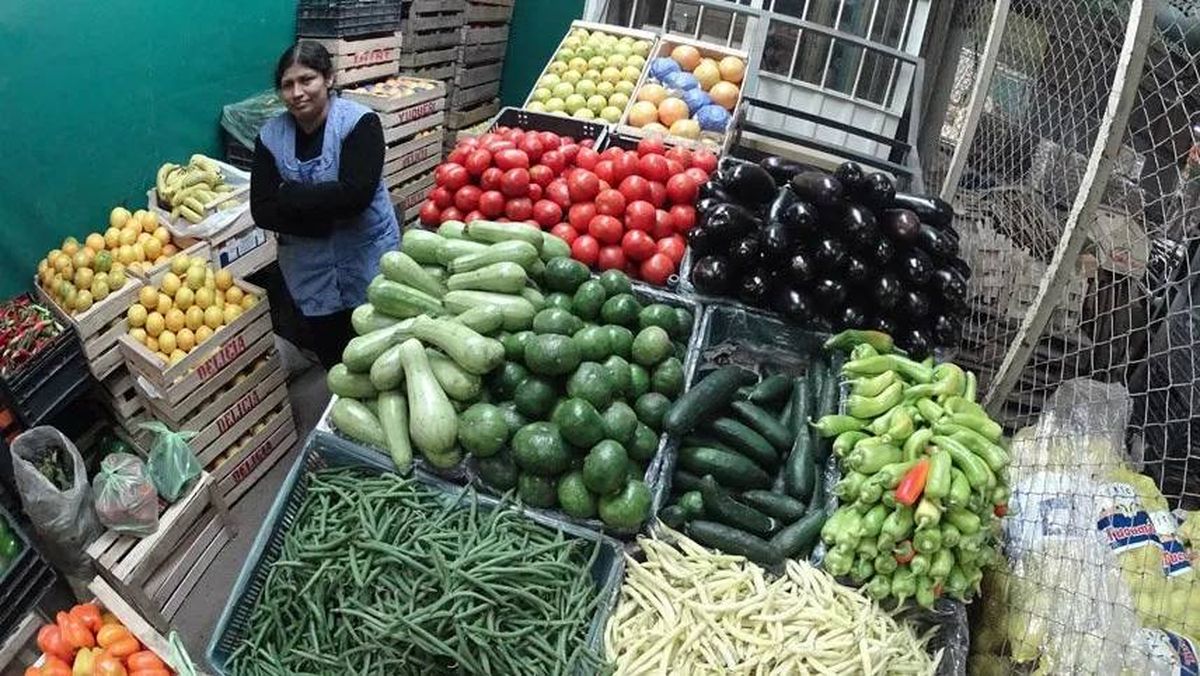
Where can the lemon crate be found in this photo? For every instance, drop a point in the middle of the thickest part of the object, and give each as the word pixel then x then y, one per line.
pixel 408 197
pixel 155 573
pixel 618 31
pixel 268 433
pixel 363 59
pixel 100 326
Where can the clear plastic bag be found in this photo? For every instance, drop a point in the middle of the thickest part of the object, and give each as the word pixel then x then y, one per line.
pixel 244 119
pixel 60 509
pixel 172 465
pixel 125 497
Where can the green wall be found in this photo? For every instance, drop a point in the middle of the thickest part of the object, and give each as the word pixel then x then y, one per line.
pixel 537 28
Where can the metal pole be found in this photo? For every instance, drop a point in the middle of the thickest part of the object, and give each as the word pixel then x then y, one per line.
pixel 1099 168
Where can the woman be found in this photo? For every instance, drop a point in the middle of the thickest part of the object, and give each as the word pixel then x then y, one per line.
pixel 316 182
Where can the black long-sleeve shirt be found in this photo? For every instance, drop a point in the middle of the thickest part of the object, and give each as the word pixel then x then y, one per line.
pixel 312 209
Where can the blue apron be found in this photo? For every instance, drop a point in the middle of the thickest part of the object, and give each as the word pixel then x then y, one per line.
pixel 329 274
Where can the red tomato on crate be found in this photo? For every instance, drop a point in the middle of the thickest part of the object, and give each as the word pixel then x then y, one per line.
pixel 451 214
pixel 490 179
pixel 683 216
pixel 704 159
pixel 637 245
pixel 555 160
pixel 491 203
pixel 639 215
pixel 532 146
pixel 673 247
pixel 541 174
pixel 515 182
pixel 511 158
pixel 453 176
pixel 650 146
pixel 430 213
pixel 681 155
pixel 477 161
pixel 473 216
pixel 585 249
pixel 519 209
pixel 558 193
pixel 586 158
pixel 625 164
pixel 583 186
pixel 664 225
pixel 610 258
pixel 698 175
pixel 564 232
pixel 658 194
pixel 654 167
pixel 657 269
pixel 535 192
pixel 606 229
pixel 549 139
pixel 634 188
pixel 580 215
pixel 467 198
pixel 610 203
pixel 674 167
pixel 604 171
pixel 681 189
pixel 441 197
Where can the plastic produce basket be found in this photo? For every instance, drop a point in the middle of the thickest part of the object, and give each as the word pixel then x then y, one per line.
pixel 342 19
pixel 607 570
pixel 46 383
pixel 563 126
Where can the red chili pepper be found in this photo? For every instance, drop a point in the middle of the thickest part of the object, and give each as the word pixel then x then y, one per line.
pixel 904 552
pixel 909 490
pixel 1000 510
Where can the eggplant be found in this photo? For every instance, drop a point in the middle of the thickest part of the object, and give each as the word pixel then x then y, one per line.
pixel 801 268
pixel 730 221
pixel 705 205
pixel 712 275
pixel 915 305
pixel 960 266
pixel 792 303
pixel 745 253
pixel 783 199
pixel 887 293
pixel 915 267
pixel 930 209
pixel 901 225
pixel 882 252
pixel 830 256
pixel 775 242
pixel 884 323
pixel 852 317
pixel 948 284
pixel 702 240
pixel 877 190
pixel 856 270
pixel 850 174
pixel 782 169
pixel 800 217
pixel 956 306
pixel 947 330
pixel 915 342
pixel 748 184
pixel 830 295
pixel 752 289
pixel 936 243
pixel 818 187
pixel 713 188
pixel 858 226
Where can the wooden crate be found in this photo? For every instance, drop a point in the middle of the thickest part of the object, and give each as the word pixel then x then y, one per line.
pixel 443 72
pixel 474 36
pixel 239 468
pixel 121 395
pixel 402 95
pixel 466 97
pixel 111 601
pixel 408 197
pixel 413 158
pixel 147 571
pixel 618 31
pixel 431 16
pixel 436 39
pixel 243 251
pixel 19 649
pixel 482 53
pixel 483 13
pixel 406 124
pixel 227 419
pixel 361 60
pixel 470 76
pixel 460 119
pixel 417 59
pixel 100 327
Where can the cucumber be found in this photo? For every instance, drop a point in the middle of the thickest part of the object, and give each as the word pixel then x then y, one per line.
pixel 730 469
pixel 401 300
pixel 797 420
pixel 398 266
pixel 355 420
pixel 393 418
pixel 554 246
pixel 491 232
pixel 733 541
pixel 825 396
pixel 705 398
pixel 764 423
pixel 798 538
pixel 484 319
pixel 521 253
pixel 423 246
pixel 673 516
pixel 771 389
pixel 499 277
pixel 518 312
pixel 387 373
pixel 366 319
pixel 452 230
pixel 774 504
pixel 800 470
pixel 343 383
pixel 721 508
pixel 361 352
pixel 683 481
pixel 456 248
pixel 475 353
pixel 746 441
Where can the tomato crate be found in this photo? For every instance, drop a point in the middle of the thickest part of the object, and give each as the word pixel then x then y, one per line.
pixel 563 126
pixel 470 76
pixel 98 328
pixel 476 54
pixel 155 573
pixel 363 59
pixel 268 433
pixel 460 119
pixel 409 196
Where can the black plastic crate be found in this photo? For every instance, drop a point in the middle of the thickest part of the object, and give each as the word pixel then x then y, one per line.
pixel 340 19
pixel 49 381
pixel 558 124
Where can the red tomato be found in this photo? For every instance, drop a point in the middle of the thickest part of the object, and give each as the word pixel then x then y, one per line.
pixel 555 160
pixel 585 249
pixel 673 167
pixel 490 179
pixel 624 165
pixel 541 174
pixel 511 158
pixel 683 216
pixel 580 215
pixel 430 213
pixel 515 135
pixel 612 154
pixel 454 176
pixel 610 203
pixel 604 171
pixel 588 143
pixel 635 188
pixel 532 146
pixel 650 146
pixel 451 214
pixel 673 247
pixel 467 198
pixel 654 167
pixel 568 150
pixel 469 142
pixel 564 232
pixel 587 158
pixel 477 161
pixel 583 186
pixel 558 193
pixel 681 189
pixel 519 209
pixel 473 216
pixel 698 175
pixel 535 192
pixel 549 140
pixel 441 197
pixel 515 182
pixel 547 213
pixel 681 155
pixel 664 225
pixel 606 229
pixel 459 154
pixel 657 269
pixel 637 245
pixel 498 145
pixel 704 159
pixel 489 137
pixel 639 215
pixel 658 193
pixel 491 203
pixel 610 258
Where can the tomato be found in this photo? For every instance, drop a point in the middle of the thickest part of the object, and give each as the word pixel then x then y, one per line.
pixel 681 155
pixel 459 154
pixel 477 161
pixel 580 215
pixel 657 269
pixel 568 150
pixel 639 215
pixel 612 154
pixel 681 189
pixel 430 213
pixel 547 213
pixel 674 167
pixel 664 225
pixel 549 140
pixel 683 216
pixel 541 174
pixel 585 249
pixel 555 160
pixel 611 257
pixel 587 158
pixel 531 146
pixel 519 209
pixel 637 245
pixel 490 137
pixel 535 192
pixel 588 143
pixel 698 175
pixel 583 186
pixel 606 229
pixel 704 159
pixel 469 142
pixel 441 197
pixel 490 179
pixel 467 198
pixel 658 194
pixel 604 170
pixel 610 203
pixel 473 216
pixel 511 158
pixel 499 145
pixel 454 176
pixel 625 165
pixel 491 203
pixel 451 214
pixel 650 146
pixel 654 168
pixel 673 247
pixel 515 182
pixel 558 193
pixel 634 188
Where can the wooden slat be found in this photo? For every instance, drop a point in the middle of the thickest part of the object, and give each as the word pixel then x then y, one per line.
pixel 413 170
pixel 460 119
pixel 148 552
pixel 349 76
pixel 476 75
pixel 115 603
pixel 432 40
pixel 482 53
pixel 410 58
pixel 238 475
pixel 219 436
pixel 350 46
pixel 208 400
pixel 407 154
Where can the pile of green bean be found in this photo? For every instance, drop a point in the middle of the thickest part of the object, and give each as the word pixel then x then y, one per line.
pixel 379 575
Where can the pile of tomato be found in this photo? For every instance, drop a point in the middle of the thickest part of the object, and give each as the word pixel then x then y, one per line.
pixel 625 209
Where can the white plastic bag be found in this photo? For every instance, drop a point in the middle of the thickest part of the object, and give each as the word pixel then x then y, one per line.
pixel 125 497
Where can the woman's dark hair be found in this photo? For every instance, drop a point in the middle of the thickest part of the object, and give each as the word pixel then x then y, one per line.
pixel 306 53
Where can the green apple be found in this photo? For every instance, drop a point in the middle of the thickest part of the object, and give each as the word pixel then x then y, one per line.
pixel 597 103
pixel 565 55
pixel 619 100
pixel 572 42
pixel 577 64
pixel 585 52
pixel 624 48
pixel 610 114
pixel 549 80
pixel 625 39
pixel 630 73
pixel 584 114
pixel 625 87
pixel 585 87
pixel 574 102
pixel 611 74
pixel 641 47
pixel 582 33
pixel 562 90
pixel 636 60
pixel 605 88
pixel 591 74
pixel 536 106
pixel 554 105
pixel 597 62
pixel 558 68
pixel 572 76
pixel 541 94
pixel 617 61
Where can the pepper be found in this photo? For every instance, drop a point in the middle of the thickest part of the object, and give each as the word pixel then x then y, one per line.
pixel 927 514
pixel 928 541
pixel 981 424
pixel 948 380
pixel 943 561
pixel 836 563
pixel 1000 494
pixel 896 527
pixel 960 405
pixel 872 522
pixel 845 441
pixel 926 594
pixel 969 391
pixel 930 412
pixel 863 351
pixel 869 459
pixel 904 584
pixel 874 365
pixel 919 564
pixel 844 526
pixel 885 564
pixel 879 426
pixel 871 386
pixel 888 499
pixel 915 445
pixel 900 425
pixel 993 454
pixel 975 469
pixel 867 408
pixel 910 486
pixel 904 553
pixel 956 583
pixel 833 424
pixel 938 483
pixel 848 487
pixel 850 338
pixel 880 587
pixel 950 535
pixel 867 548
pixel 960 489
pixel 966 522
pixel 974 576
pixel 869 493
pixel 862 570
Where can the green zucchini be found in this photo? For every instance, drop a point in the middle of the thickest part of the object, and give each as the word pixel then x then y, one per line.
pixel 705 399
pixel 366 319
pixel 452 230
pixel 798 538
pixel 401 300
pixel 491 232
pixel 721 508
pixel 437 272
pixel 362 351
pixel 744 440
pixel 393 418
pixel 501 277
pixel 771 389
pixel 454 248
pixel 518 312
pixel 801 400
pixel 483 319
pixel 764 423
pixel 521 253
pixel 387 373
pixel 673 516
pixel 352 418
pixel 423 246
pixel 475 353
pixel 777 505
pixel 554 246
pixel 398 266
pixel 733 541
pixel 433 423
pixel 456 382
pixel 343 383
pixel 730 469
pixel 535 298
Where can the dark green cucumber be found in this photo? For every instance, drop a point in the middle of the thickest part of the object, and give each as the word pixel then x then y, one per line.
pixel 802 398
pixel 782 507
pixel 744 440
pixel 825 396
pixel 744 391
pixel 673 516
pixel 705 399
pixel 692 504
pixel 683 481
pixel 764 423
pixel 733 541
pixel 721 508
pixel 798 538
pixel 799 472
pixel 771 389
pixel 730 469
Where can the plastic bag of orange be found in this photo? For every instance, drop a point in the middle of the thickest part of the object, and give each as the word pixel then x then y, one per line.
pixel 51 642
pixel 73 632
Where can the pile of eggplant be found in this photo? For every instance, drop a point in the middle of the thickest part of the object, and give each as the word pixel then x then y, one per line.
pixel 832 251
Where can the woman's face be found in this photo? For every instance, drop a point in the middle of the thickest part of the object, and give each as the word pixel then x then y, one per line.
pixel 304 90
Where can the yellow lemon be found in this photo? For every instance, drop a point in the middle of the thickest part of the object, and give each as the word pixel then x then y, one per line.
pixel 233 295
pixel 224 279
pixel 194 317
pixel 176 357
pixel 184 298
pixel 152 343
pixel 171 282
pixel 100 289
pixel 195 277
pixel 204 298
pixel 161 234
pixel 152 247
pixel 83 278
pixel 149 222
pixel 202 334
pixel 128 235
pixel 61 262
pixel 148 296
pixel 163 304
pixel 164 358
pixel 232 312
pixel 249 301
pixel 154 324
pixel 213 317
pixel 70 246
pixel 125 254
pixel 79 259
pixel 185 339
pixel 116 279
pixel 137 315
pixel 118 217
pixel 166 341
pixel 83 301
pixel 142 237
pixel 112 238
pixel 138 334
pixel 175 319
pixel 95 241
pixel 139 252
pixel 198 261
pixel 179 264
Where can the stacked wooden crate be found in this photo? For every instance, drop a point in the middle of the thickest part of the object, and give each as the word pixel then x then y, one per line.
pixel 482 44
pixel 412 111
pixel 430 30
pixel 362 59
